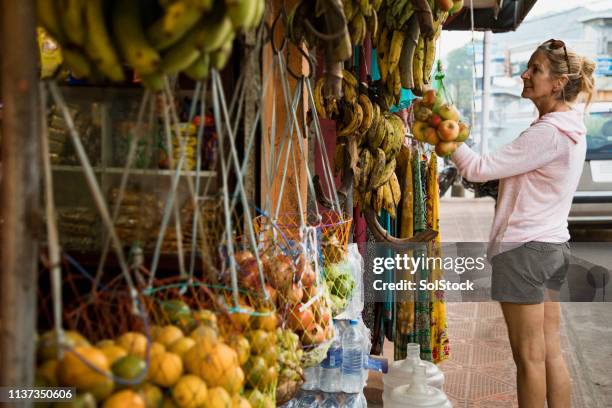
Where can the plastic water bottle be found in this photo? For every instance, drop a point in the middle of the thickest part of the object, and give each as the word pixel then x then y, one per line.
pixel 330 371
pixel 330 401
pixel 352 359
pixel 311 379
pixel 306 401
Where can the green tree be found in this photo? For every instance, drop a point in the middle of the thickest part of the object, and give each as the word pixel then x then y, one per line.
pixel 458 78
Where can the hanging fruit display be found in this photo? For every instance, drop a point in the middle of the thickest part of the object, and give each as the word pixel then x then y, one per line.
pixel 167 37
pixel 438 124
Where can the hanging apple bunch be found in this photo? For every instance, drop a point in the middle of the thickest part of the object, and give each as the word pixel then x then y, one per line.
pixel 438 124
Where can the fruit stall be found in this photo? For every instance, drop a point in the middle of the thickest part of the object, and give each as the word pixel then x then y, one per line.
pixel 210 173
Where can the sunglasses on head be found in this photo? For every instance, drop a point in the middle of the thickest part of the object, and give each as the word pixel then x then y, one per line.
pixel 555 45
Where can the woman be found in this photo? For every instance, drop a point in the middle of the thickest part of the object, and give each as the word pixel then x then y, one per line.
pixel 539 173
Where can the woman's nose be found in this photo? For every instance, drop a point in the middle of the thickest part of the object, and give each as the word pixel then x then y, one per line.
pixel 525 74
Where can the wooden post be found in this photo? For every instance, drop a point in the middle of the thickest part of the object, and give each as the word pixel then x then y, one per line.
pixel 20 203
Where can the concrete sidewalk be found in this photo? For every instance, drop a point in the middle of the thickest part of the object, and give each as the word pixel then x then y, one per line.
pixel 480 372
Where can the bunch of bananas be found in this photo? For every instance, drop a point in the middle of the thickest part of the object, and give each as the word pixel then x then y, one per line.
pixel 406 43
pixel 166 37
pixel 362 17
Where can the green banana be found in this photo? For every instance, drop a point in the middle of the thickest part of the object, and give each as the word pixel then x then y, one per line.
pixel 48 17
pixel 130 37
pixel 200 68
pixel 259 13
pixel 180 57
pixel 219 57
pixel 71 17
pixel 153 82
pixel 241 12
pixel 78 63
pixel 178 19
pixel 99 46
pixel 212 33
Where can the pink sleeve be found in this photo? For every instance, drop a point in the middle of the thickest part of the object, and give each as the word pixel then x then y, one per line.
pixel 534 148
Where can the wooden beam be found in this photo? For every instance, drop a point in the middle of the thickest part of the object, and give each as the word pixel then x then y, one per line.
pixel 20 203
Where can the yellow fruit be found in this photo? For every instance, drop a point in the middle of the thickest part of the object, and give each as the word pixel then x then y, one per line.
pixel 255 370
pixel 267 322
pixel 133 343
pixel 151 394
pixel 129 367
pixel 48 372
pixel 73 372
pixel 220 362
pixel 233 382
pixel 168 335
pixel 205 317
pixel 182 346
pixel 270 355
pixel 259 341
pixel 242 347
pixel 105 343
pixel 103 389
pixel 190 392
pixel 47 347
pixel 240 320
pixel 157 348
pixel 240 402
pixel 154 331
pixel 256 398
pixel 205 332
pixel 218 398
pixel 113 352
pixel 168 403
pixel 176 310
pixel 86 400
pixel 124 399
pixel 165 369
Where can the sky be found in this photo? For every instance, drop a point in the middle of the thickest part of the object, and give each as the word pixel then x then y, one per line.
pixel 451 40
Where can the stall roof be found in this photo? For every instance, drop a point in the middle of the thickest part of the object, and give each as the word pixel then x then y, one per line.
pixel 509 17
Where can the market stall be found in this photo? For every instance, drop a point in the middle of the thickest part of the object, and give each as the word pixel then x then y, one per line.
pixel 212 172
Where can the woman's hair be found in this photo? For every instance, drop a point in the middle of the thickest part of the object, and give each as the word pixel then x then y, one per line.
pixel 580 74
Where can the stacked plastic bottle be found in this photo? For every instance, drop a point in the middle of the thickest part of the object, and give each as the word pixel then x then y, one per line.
pixel 352 359
pixel 330 370
pixel 417 394
pixel 400 372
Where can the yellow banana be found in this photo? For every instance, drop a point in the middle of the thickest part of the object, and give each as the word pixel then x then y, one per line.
pixel 338 159
pixel 356 115
pixel 213 32
pixel 372 26
pixel 388 202
pixel 349 9
pixel 48 17
pixel 368 113
pixel 200 68
pixel 180 57
pixel 99 45
pixel 259 13
pixel 396 190
pixel 131 39
pixel 377 168
pixel 177 20
pixel 417 67
pixel 395 50
pixel 219 57
pixel 357 28
pixel 385 175
pixel 72 20
pixel 366 163
pixel 381 54
pixel 378 200
pixel 318 98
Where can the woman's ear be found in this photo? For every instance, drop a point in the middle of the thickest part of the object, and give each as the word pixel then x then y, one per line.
pixel 560 83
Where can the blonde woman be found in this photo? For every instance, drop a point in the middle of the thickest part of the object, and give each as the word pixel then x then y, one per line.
pixel 538 173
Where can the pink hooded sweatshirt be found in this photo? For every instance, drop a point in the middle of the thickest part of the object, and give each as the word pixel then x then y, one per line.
pixel 539 173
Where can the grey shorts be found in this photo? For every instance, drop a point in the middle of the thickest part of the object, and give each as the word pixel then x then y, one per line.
pixel 521 274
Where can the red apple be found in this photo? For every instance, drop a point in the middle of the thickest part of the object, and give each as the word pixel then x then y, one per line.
pixel 435 120
pixel 464 132
pixel 429 96
pixel 418 130
pixel 444 5
pixel 449 112
pixel 431 136
pixel 445 148
pixel 448 131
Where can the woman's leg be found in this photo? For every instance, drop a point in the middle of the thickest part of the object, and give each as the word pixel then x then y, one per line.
pixel 526 331
pixel 558 387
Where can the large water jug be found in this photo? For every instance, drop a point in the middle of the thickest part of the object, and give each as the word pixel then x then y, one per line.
pixel 330 371
pixel 352 359
pixel 400 372
pixel 417 394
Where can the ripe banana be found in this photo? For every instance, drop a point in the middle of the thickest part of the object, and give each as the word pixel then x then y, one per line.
pixel 259 13
pixel 372 26
pixel 356 115
pixel 213 32
pixel 127 27
pixel 406 58
pixel 385 175
pixel 381 54
pixel 377 168
pixel 396 190
pixel 48 17
pixel 71 16
pixel 99 45
pixel 368 113
pixel 339 159
pixel 395 50
pixel 417 68
pixel 367 198
pixel 318 98
pixel 357 28
pixel 376 137
pixel 366 164
pixel 177 20
pixel 377 205
pixel 406 14
pixel 365 7
pixel 180 56
pixel 200 68
pixel 388 202
pixel 349 9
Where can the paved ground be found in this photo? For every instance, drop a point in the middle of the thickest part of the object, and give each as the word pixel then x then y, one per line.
pixel 481 373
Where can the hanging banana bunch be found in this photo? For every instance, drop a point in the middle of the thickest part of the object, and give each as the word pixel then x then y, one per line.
pixel 99 38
